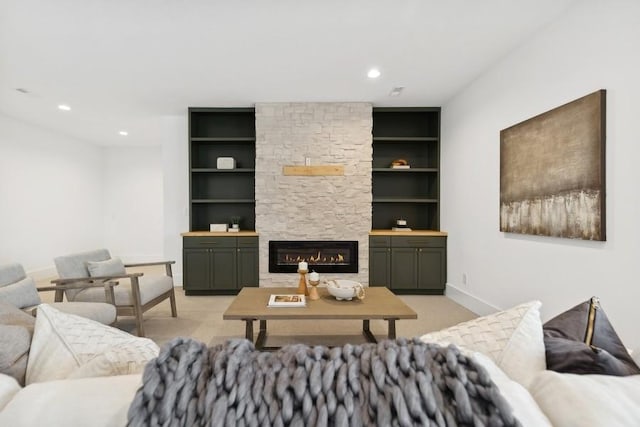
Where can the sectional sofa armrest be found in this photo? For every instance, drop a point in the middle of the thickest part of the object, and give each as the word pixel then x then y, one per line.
pixel 167 265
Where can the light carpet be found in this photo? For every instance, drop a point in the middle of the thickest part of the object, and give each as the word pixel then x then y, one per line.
pixel 200 317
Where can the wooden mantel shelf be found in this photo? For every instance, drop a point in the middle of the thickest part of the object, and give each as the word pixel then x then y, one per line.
pixel 320 170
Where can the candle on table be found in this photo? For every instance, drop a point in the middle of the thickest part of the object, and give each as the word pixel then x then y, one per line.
pixel 314 277
pixel 302 266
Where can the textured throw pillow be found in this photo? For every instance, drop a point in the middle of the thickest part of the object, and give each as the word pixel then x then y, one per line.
pixel 582 341
pixel 110 267
pixel 16 328
pixel 20 294
pixel 65 345
pixel 511 338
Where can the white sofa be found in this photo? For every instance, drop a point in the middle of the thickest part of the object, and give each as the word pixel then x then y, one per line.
pixel 68 385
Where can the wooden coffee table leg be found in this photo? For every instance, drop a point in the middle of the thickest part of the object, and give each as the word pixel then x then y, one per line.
pixel 248 329
pixel 392 329
pixel 262 335
pixel 366 331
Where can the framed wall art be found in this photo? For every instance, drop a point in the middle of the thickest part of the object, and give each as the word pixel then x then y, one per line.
pixel 552 172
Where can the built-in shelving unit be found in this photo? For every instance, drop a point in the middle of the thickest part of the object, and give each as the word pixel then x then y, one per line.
pixel 217 195
pixel 413 194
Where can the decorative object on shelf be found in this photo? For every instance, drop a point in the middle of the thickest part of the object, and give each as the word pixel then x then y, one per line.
pixel 235 224
pixel 400 164
pixel 344 289
pixel 218 227
pixel 552 172
pixel 314 280
pixel 401 225
pixel 287 300
pixel 226 163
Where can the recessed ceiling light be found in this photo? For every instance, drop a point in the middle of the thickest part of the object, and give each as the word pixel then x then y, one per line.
pixel 123 133
pixel 373 73
pixel 64 107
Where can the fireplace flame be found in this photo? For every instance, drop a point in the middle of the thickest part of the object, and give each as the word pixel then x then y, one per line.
pixel 315 259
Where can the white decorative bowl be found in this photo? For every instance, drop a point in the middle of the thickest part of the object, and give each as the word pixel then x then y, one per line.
pixel 345 289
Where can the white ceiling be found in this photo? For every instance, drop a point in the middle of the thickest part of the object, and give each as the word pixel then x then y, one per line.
pixel 126 64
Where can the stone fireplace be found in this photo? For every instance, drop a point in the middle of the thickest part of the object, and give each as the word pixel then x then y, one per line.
pixel 313 208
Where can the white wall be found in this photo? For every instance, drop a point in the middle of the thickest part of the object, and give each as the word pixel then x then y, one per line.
pixel 595 45
pixel 50 195
pixel 133 203
pixel 175 165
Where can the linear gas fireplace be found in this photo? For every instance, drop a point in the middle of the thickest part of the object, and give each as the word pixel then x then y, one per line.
pixel 323 256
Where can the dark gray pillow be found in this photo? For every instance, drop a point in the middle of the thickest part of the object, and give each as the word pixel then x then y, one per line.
pixel 582 341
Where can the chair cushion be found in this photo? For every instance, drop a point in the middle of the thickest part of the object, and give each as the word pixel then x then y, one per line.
pixel 150 288
pixel 65 346
pixel 21 294
pixel 75 265
pixel 101 312
pixel 511 338
pixel 16 328
pixel 110 267
pixel 9 387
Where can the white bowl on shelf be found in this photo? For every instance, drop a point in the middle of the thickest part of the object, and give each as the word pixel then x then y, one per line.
pixel 344 289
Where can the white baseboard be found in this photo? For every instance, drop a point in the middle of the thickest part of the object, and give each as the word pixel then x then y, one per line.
pixel 470 302
pixel 177 280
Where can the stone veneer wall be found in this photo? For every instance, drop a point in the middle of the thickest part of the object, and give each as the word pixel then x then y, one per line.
pixel 313 207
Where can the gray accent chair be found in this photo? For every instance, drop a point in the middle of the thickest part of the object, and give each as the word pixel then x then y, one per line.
pixel 20 291
pixel 133 299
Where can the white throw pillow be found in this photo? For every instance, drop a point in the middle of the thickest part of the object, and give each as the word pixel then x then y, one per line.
pixel 588 400
pixel 110 267
pixel 65 345
pixel 525 408
pixel 95 402
pixel 512 338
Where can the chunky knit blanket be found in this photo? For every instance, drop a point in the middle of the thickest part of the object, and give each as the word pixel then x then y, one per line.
pixel 392 383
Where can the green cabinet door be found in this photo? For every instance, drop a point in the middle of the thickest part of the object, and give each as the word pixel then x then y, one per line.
pixel 380 267
pixel 432 266
pixel 223 269
pixel 404 268
pixel 196 269
pixel 247 267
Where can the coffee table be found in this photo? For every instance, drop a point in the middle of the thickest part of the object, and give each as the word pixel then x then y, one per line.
pixel 380 303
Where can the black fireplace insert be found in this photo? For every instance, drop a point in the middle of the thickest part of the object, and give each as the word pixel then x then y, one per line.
pixel 322 256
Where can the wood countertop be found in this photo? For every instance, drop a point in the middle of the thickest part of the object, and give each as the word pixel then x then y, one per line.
pixel 433 233
pixel 218 234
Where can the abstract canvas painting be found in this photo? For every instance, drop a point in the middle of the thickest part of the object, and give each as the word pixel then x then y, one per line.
pixel 552 172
